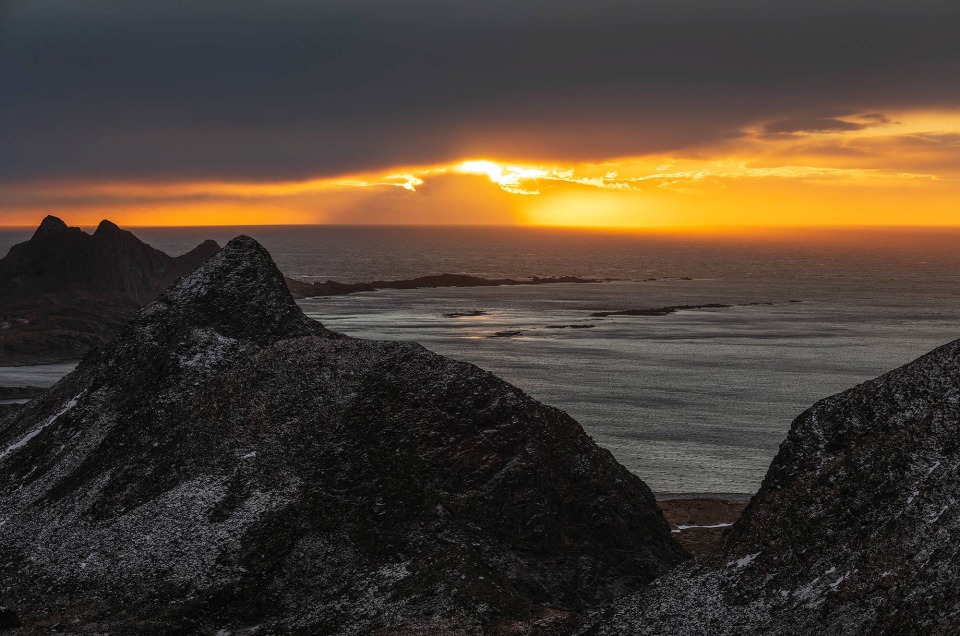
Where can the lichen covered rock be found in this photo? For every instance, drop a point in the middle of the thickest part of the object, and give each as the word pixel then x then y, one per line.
pixel 855 530
pixel 226 463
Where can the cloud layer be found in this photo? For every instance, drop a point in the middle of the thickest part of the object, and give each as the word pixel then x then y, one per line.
pixel 262 91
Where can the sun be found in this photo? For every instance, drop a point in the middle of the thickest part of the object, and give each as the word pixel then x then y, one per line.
pixel 509 178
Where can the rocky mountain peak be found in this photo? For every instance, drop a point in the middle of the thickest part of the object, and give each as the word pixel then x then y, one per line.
pixel 108 227
pixel 240 293
pixel 71 290
pixel 854 530
pixel 123 248
pixel 226 465
pixel 50 224
pixel 209 244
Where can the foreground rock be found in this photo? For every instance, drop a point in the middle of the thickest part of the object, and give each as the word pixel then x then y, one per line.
pixel 855 530
pixel 20 392
pixel 227 463
pixel 698 523
pixel 65 291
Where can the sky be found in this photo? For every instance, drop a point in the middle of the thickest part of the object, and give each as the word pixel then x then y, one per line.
pixel 610 113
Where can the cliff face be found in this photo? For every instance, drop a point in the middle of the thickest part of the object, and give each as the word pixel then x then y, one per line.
pixel 855 530
pixel 227 463
pixel 65 291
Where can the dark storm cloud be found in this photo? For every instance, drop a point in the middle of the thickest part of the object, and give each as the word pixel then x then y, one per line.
pixel 285 89
pixel 825 123
pixel 794 126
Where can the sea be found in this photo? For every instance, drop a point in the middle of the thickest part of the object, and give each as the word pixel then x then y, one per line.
pixel 694 402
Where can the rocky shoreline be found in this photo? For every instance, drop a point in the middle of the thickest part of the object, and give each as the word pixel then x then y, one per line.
pixel 302 289
pixel 672 309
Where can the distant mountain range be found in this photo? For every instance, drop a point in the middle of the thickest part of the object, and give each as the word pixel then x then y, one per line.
pixel 65 291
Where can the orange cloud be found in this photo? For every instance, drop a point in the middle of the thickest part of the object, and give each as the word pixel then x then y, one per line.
pixel 859 169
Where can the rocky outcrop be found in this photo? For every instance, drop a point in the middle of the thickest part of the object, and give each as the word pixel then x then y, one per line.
pixel 65 291
pixel 301 289
pixel 855 530
pixel 226 463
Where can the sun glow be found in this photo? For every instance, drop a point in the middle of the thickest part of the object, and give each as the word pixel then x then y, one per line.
pixel 868 169
pixel 510 178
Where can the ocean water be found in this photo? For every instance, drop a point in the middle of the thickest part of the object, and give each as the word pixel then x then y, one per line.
pixel 45 375
pixel 694 401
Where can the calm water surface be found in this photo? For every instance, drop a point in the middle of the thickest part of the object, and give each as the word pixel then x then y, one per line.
pixel 695 401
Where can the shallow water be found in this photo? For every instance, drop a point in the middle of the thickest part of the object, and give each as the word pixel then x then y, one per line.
pixel 43 375
pixel 695 401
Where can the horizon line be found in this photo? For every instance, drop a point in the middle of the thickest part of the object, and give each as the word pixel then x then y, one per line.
pixel 673 229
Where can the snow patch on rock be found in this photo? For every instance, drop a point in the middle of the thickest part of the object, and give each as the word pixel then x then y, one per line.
pixel 23 441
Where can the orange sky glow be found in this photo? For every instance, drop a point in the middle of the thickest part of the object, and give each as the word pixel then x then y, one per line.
pixel 902 169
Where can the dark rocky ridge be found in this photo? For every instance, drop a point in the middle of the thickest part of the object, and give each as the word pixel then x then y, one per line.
pixel 855 530
pixel 301 289
pixel 672 309
pixel 227 463
pixel 8 409
pixel 65 291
